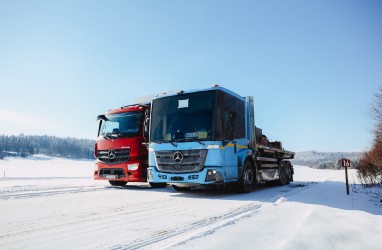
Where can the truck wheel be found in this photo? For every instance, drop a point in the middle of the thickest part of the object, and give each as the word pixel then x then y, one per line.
pixel 290 171
pixel 247 178
pixel 284 174
pixel 158 184
pixel 118 183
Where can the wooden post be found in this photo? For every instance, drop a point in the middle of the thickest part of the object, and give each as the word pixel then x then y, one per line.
pixel 347 180
pixel 346 164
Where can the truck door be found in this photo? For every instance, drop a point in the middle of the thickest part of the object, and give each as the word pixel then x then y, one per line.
pixel 230 161
pixel 230 150
pixel 231 115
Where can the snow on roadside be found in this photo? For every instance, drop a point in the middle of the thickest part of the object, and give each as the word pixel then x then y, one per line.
pixel 41 173
pixel 321 217
pixel 44 166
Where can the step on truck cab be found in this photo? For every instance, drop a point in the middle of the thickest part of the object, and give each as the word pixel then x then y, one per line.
pixel 121 146
pixel 207 138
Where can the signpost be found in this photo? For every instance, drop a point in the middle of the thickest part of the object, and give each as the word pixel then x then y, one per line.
pixel 345 164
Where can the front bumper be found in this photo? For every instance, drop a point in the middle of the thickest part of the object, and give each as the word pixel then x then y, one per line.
pixel 208 176
pixel 135 170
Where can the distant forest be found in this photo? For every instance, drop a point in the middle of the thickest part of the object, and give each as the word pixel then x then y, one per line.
pixel 25 145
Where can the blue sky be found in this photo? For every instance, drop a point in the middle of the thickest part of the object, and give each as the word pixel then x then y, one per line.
pixel 312 66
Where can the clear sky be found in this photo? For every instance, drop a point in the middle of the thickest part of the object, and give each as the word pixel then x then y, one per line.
pixel 312 66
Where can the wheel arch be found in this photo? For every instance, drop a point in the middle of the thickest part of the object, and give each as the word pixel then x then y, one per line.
pixel 241 162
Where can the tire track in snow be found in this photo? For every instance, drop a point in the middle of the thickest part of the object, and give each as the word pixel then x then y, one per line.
pixel 176 236
pixel 48 192
pixel 173 235
pixel 165 237
pixel 82 225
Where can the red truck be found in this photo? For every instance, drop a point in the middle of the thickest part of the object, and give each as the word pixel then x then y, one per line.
pixel 120 150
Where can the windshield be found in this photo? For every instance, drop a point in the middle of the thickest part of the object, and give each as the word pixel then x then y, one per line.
pixel 187 117
pixel 122 125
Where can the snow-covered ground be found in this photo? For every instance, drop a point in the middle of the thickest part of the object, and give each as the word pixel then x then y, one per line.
pixel 50 203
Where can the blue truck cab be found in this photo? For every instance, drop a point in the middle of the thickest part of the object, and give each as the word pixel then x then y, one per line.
pixel 203 138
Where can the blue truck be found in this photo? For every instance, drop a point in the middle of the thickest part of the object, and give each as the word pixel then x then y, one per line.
pixel 208 138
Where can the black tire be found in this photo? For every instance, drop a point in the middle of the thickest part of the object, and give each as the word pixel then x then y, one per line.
pixel 118 183
pixel 284 176
pixel 158 185
pixel 290 170
pixel 181 189
pixel 247 178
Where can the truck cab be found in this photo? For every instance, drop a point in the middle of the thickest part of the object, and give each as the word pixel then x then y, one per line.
pixel 120 150
pixel 207 138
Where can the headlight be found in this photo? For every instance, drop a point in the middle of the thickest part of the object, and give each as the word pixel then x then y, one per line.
pixel 213 175
pixel 133 167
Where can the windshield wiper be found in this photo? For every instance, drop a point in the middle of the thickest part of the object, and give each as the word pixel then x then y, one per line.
pixel 167 141
pixel 125 134
pixel 109 135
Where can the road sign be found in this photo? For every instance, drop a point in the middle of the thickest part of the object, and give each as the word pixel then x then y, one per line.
pixel 346 163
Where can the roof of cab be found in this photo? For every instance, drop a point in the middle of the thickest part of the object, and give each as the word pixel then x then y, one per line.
pixel 215 87
pixel 129 108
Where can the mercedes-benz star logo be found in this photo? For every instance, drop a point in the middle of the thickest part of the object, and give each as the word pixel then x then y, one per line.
pixel 178 157
pixel 111 154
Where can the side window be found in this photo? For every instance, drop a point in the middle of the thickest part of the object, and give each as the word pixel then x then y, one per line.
pixel 232 120
pixel 240 118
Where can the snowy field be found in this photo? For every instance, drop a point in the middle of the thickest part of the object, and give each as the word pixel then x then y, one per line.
pixel 50 203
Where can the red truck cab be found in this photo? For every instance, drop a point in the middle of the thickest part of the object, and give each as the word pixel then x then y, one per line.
pixel 120 150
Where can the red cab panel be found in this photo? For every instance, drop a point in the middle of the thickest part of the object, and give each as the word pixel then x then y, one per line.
pixel 121 155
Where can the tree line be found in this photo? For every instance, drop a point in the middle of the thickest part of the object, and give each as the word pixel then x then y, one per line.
pixel 26 145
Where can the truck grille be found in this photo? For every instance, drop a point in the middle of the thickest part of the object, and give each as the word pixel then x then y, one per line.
pixel 182 161
pixel 113 156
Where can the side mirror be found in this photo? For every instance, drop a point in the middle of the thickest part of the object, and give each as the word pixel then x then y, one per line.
pixel 99 127
pixel 102 117
pixel 146 122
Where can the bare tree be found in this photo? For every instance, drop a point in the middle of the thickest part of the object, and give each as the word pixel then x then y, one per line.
pixel 370 164
pixel 376 112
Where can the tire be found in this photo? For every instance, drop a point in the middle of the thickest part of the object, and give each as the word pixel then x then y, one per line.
pixel 158 184
pixel 247 178
pixel 181 189
pixel 284 174
pixel 118 183
pixel 290 171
